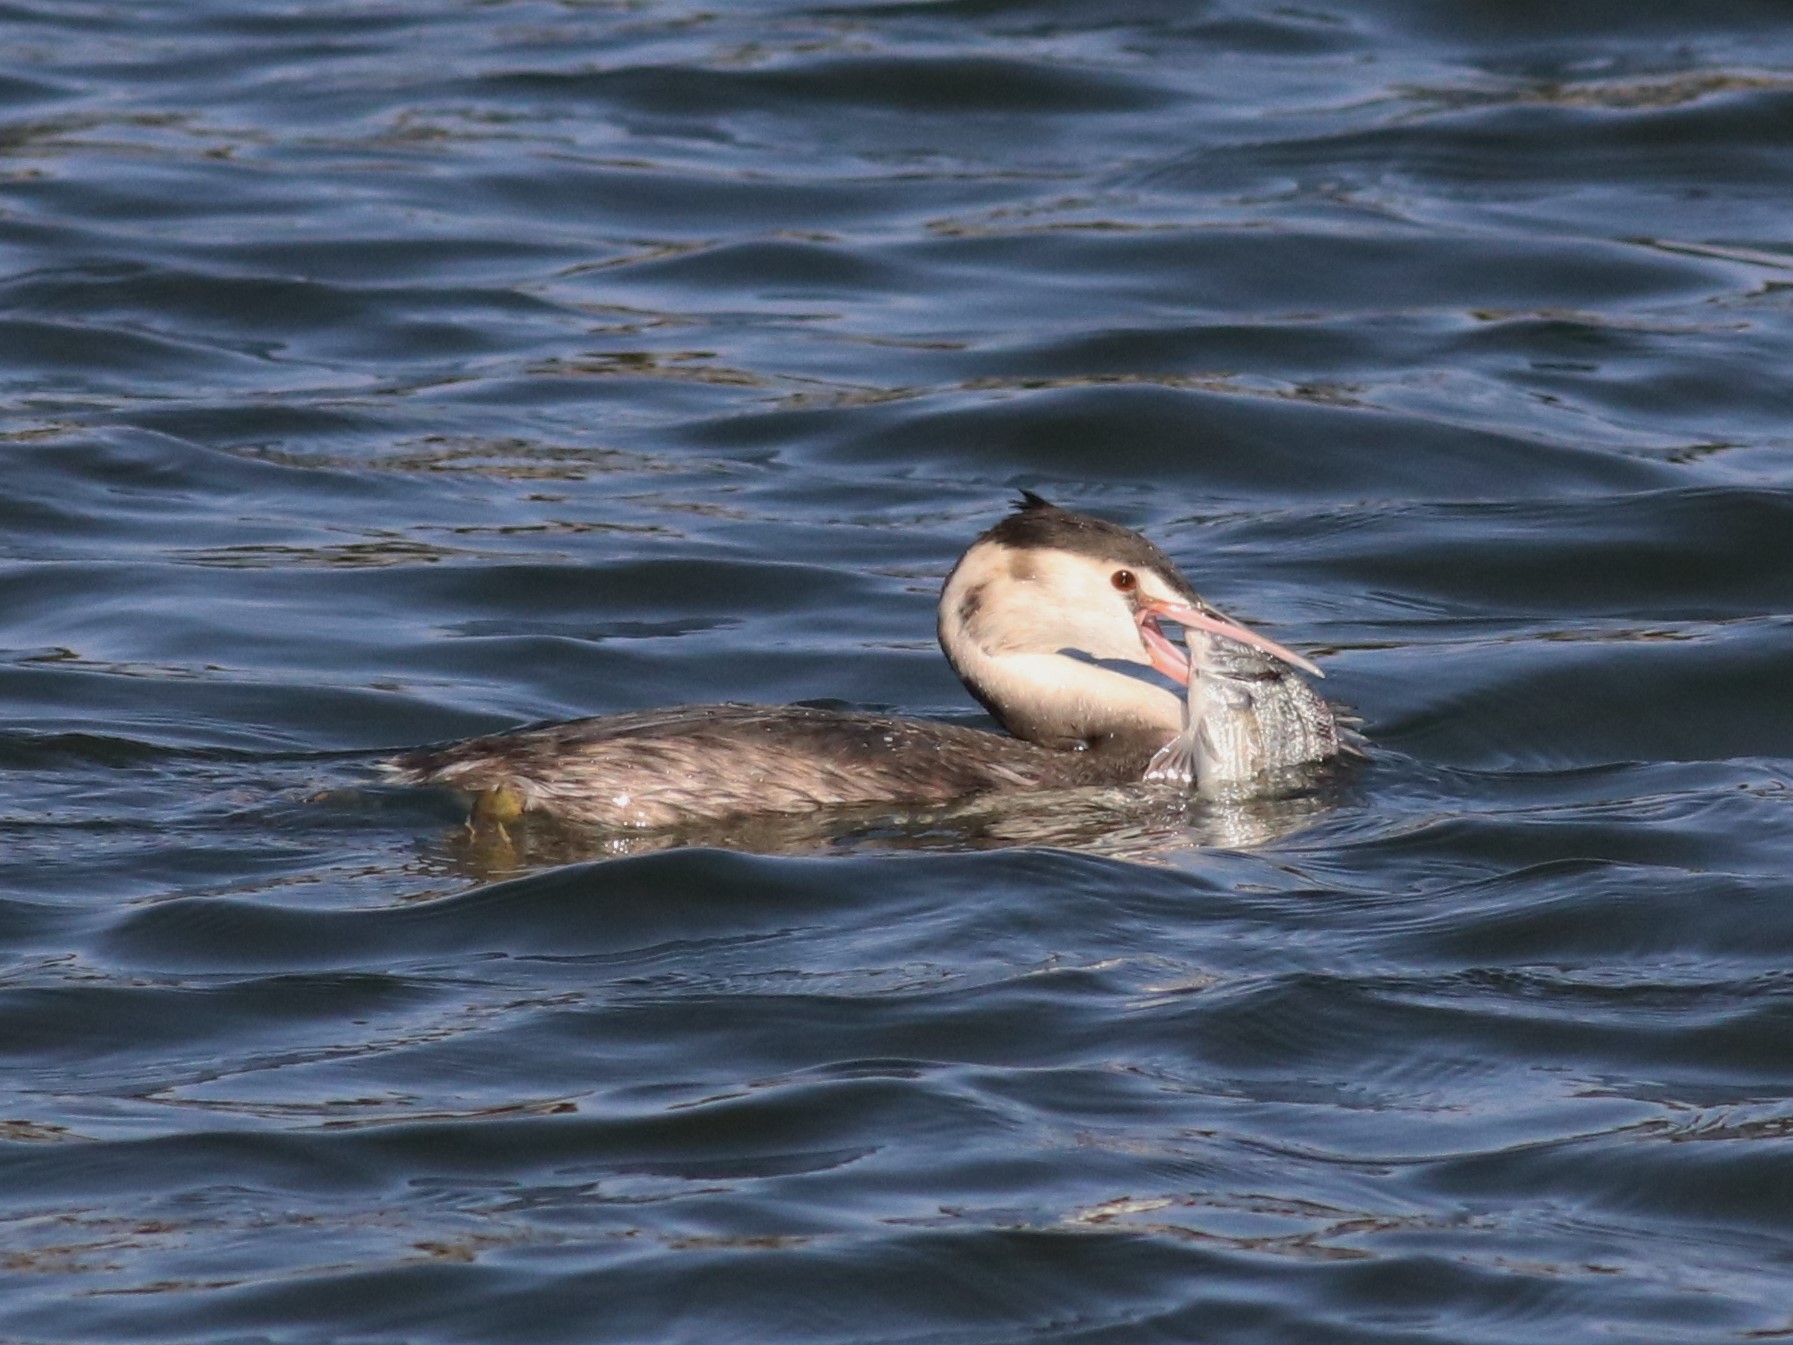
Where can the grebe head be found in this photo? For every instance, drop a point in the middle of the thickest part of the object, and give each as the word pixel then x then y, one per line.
pixel 1045 585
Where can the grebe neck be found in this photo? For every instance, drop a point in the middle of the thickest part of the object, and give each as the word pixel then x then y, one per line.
pixel 1007 652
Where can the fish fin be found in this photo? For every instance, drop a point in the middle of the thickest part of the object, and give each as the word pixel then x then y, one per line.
pixel 1174 763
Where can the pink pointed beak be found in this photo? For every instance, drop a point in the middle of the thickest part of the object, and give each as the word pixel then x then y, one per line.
pixel 1174 663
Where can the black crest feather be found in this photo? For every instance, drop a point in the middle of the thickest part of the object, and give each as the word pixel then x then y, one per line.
pixel 1039 523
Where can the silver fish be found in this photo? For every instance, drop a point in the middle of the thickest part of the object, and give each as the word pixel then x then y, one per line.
pixel 1247 715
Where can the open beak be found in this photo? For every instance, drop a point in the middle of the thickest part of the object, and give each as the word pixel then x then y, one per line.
pixel 1174 663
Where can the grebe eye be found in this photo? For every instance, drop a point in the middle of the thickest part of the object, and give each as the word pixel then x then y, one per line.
pixel 1125 580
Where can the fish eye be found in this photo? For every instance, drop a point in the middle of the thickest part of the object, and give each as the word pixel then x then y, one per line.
pixel 1124 580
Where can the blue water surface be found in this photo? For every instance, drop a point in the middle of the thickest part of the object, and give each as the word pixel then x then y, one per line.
pixel 379 372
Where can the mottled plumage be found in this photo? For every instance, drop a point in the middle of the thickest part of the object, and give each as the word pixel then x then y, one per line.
pixel 1026 618
pixel 660 768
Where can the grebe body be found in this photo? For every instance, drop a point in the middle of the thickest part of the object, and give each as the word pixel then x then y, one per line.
pixel 1024 619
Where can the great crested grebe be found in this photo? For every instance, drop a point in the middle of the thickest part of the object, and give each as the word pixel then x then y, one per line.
pixel 1031 595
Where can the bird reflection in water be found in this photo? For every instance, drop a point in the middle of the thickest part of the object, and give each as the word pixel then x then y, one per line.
pixel 1148 824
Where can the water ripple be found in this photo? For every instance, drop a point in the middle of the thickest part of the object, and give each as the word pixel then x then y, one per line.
pixel 382 375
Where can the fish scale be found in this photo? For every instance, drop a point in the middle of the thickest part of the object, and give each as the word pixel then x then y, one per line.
pixel 1245 714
